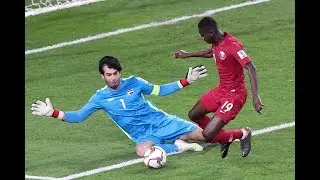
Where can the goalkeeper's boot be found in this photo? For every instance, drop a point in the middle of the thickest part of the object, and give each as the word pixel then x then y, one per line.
pixel 183 146
pixel 245 141
pixel 225 149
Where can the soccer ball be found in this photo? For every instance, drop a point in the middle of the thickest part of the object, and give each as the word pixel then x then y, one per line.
pixel 155 157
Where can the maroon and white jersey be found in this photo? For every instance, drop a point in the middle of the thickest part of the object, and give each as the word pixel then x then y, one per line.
pixel 230 60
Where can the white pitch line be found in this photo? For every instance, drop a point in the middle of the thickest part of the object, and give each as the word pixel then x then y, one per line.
pixel 143 26
pixel 39 177
pixel 273 128
pixel 34 12
pixel 136 161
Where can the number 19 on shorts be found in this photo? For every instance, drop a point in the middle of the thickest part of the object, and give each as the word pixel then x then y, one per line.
pixel 227 106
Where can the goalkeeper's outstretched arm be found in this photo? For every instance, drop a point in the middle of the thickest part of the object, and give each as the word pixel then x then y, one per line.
pixel 194 74
pixel 41 108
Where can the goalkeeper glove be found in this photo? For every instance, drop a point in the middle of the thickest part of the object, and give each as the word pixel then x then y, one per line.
pixel 194 74
pixel 40 108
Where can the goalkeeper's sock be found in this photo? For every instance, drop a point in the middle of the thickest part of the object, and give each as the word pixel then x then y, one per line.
pixel 168 148
pixel 203 121
pixel 226 136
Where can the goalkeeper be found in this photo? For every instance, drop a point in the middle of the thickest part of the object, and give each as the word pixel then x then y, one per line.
pixel 122 99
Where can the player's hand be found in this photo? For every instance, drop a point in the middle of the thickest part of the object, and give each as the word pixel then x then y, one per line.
pixel 257 103
pixel 42 109
pixel 180 54
pixel 196 73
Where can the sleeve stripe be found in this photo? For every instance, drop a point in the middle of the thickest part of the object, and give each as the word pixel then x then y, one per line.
pixel 179 84
pixel 155 90
pixel 61 115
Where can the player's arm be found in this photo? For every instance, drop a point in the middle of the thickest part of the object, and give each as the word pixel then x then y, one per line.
pixel 245 62
pixel 184 54
pixel 254 86
pixel 194 74
pixel 46 109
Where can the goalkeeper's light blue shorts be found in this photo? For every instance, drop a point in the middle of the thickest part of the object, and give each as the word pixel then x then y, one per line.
pixel 169 130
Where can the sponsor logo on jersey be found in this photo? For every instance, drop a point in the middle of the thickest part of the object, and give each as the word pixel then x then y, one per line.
pixel 130 91
pixel 222 55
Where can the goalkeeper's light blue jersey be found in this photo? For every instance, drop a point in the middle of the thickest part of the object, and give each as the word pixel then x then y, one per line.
pixel 127 106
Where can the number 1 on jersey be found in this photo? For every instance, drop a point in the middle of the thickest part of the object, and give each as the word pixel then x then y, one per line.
pixel 123 104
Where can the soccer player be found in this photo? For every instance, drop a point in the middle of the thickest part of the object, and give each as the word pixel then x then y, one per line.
pixel 226 99
pixel 122 99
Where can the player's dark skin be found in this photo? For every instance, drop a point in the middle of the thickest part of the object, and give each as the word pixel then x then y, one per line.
pixel 215 37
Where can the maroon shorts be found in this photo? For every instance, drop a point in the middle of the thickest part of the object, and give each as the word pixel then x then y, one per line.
pixel 225 104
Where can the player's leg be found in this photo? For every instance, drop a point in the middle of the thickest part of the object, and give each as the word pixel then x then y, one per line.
pixel 213 132
pixel 198 114
pixel 209 102
pixel 174 127
pixel 195 135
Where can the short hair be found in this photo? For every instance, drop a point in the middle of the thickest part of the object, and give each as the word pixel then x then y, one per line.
pixel 208 22
pixel 111 62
